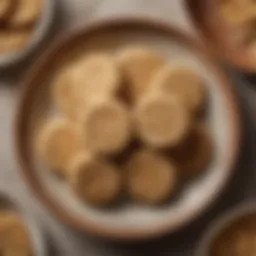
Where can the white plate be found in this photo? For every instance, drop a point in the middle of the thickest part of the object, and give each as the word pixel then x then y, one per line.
pixel 130 221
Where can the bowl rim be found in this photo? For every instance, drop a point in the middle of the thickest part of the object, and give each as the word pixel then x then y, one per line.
pixel 217 226
pixel 40 31
pixel 214 36
pixel 83 224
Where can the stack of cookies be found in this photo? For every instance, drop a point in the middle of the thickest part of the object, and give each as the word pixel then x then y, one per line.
pixel 17 21
pixel 128 123
pixel 14 237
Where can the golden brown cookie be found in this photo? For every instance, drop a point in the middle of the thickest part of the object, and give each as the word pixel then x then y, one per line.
pixel 182 82
pixel 161 121
pixel 98 75
pixel 107 126
pixel 138 65
pixel 237 13
pixel 67 96
pixel 13 41
pixel 94 180
pixel 150 177
pixel 14 238
pixel 26 13
pixel 57 143
pixel 194 154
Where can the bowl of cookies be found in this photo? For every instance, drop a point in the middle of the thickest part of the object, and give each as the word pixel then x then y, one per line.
pixel 23 26
pixel 229 28
pixel 19 235
pixel 232 234
pixel 127 129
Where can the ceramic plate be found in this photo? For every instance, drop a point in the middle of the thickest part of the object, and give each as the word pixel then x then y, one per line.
pixel 130 221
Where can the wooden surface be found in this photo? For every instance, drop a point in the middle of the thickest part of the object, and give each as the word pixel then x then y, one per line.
pixel 66 242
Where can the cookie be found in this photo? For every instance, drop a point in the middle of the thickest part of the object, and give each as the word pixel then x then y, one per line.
pixel 14 236
pixel 182 82
pixel 26 13
pixel 57 143
pixel 194 154
pixel 67 96
pixel 107 126
pixel 238 13
pixel 98 76
pixel 161 121
pixel 13 41
pixel 94 180
pixel 150 178
pixel 138 65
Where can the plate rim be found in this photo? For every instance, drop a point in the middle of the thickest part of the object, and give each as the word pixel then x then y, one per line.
pixel 22 154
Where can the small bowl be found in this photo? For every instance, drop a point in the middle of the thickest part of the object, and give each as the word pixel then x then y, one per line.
pixel 220 225
pixel 35 233
pixel 217 35
pixel 130 221
pixel 39 33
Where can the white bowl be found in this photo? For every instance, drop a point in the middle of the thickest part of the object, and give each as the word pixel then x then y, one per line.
pixel 130 221
pixel 40 31
pixel 36 235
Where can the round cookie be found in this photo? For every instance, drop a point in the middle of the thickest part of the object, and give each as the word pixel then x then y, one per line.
pixel 98 76
pixel 26 13
pixel 194 154
pixel 57 143
pixel 138 65
pixel 14 236
pixel 150 177
pixel 13 41
pixel 161 121
pixel 107 126
pixel 182 82
pixel 67 96
pixel 94 180
pixel 238 13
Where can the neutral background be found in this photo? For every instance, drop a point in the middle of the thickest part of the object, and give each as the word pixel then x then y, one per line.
pixel 66 242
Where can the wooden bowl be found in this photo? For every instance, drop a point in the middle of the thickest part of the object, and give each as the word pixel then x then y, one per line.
pixel 218 36
pixel 129 221
pixel 218 226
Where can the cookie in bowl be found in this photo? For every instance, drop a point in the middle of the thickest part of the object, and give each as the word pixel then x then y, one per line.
pixel 233 234
pixel 19 234
pixel 23 25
